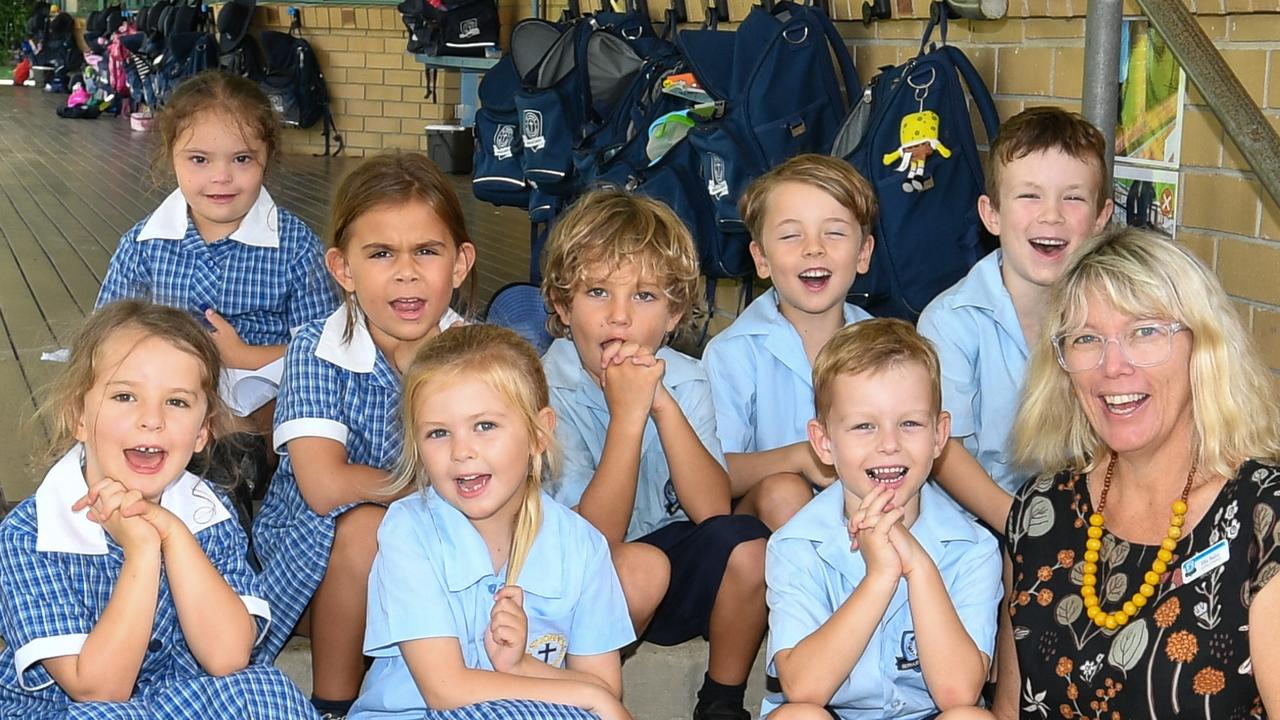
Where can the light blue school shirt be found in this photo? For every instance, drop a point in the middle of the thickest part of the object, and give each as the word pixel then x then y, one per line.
pixel 984 359
pixel 761 379
pixel 432 577
pixel 583 419
pixel 810 571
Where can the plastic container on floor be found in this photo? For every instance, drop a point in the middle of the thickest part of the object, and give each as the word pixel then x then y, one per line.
pixel 140 121
pixel 451 147
pixel 41 75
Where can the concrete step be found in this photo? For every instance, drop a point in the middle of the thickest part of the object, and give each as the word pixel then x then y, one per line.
pixel 659 683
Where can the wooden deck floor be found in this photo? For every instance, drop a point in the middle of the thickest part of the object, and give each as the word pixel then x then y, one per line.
pixel 70 188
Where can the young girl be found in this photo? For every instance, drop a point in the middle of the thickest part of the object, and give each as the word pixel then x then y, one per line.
pixel 399 249
pixel 123 585
pixel 219 247
pixel 484 589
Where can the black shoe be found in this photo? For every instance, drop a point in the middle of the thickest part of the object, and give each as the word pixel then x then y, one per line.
pixel 720 710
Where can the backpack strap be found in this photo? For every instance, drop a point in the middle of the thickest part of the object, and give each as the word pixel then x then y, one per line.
pixel 938 19
pixel 977 89
pixel 853 88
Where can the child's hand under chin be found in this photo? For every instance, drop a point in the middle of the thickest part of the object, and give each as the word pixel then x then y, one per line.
pixel 632 379
pixel 869 530
pixel 107 501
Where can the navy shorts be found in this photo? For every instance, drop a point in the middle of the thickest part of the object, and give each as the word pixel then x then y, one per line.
pixel 698 555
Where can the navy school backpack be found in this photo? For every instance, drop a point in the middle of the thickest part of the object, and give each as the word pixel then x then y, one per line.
pixel 625 73
pixel 187 54
pixel 499 168
pixel 781 82
pixel 912 139
pixel 567 95
pixel 454 27
pixel 292 80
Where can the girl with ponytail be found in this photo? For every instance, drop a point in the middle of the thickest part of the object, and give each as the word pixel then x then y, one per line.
pixel 487 599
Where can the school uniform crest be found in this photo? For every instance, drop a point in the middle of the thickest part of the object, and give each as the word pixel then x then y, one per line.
pixel 550 648
pixel 910 657
pixel 502 139
pixel 531 130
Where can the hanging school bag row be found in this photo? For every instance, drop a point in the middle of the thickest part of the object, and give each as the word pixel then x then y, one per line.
pixel 551 100
pixel 778 93
pixel 499 153
pixel 912 138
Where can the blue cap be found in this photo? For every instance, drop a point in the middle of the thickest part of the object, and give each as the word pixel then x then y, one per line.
pixel 519 306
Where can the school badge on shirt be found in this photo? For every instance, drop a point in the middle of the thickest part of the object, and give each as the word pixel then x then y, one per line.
pixel 550 648
pixel 910 657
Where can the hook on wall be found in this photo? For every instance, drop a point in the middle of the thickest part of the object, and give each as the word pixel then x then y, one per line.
pixel 877 10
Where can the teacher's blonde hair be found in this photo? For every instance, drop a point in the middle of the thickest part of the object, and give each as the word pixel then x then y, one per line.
pixel 1149 276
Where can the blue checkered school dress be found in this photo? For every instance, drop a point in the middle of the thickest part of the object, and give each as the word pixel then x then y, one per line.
pixel 512 710
pixel 322 399
pixel 264 292
pixel 61 595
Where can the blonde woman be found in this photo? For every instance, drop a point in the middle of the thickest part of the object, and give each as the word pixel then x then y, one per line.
pixel 1140 568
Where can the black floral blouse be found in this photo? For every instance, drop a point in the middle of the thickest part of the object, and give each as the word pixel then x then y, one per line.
pixel 1186 654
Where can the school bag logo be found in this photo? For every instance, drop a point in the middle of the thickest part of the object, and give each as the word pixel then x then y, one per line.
pixel 468 28
pixel 531 134
pixel 910 657
pixel 717 185
pixel 551 648
pixel 502 138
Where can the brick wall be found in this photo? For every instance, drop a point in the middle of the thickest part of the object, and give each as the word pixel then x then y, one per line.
pixel 1035 56
pixel 376 88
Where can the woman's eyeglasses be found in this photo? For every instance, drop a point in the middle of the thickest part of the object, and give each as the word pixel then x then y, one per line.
pixel 1143 345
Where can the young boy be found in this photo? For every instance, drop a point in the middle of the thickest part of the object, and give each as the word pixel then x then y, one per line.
pixel 882 595
pixel 638 436
pixel 808 220
pixel 1047 192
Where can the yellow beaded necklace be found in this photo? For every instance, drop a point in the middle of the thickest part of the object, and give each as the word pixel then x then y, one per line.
pixel 1089 591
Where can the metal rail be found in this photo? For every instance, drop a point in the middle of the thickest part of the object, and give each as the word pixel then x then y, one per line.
pixel 1101 96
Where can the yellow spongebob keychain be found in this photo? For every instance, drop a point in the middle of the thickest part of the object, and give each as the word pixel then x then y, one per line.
pixel 918 134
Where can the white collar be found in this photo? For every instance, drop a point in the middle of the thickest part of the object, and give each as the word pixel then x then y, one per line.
pixel 259 228
pixel 58 529
pixel 359 354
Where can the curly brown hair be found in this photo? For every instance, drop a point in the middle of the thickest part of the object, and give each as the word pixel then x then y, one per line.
pixel 610 228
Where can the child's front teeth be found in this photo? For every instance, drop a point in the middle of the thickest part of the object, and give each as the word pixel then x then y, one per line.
pixel 887 474
pixel 148 450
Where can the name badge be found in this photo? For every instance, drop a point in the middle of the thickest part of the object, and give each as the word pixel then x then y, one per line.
pixel 1205 561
